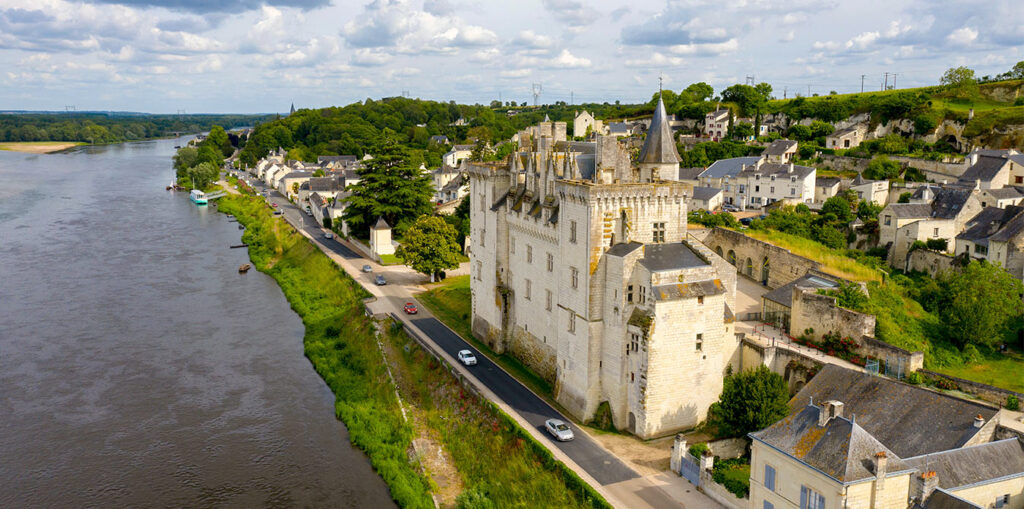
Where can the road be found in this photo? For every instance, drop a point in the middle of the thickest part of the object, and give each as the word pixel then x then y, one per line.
pixel 627 487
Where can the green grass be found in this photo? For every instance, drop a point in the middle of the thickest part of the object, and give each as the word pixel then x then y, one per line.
pixel 497 460
pixel 450 302
pixel 734 474
pixel 390 259
pixel 1006 371
pixel 986 121
pixel 831 261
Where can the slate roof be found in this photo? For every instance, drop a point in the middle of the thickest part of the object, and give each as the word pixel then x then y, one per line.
pixel 381 224
pixel 988 222
pixel 930 188
pixel 690 173
pixel 718 113
pixel 663 257
pixel 676 291
pixel 779 170
pixel 911 210
pixel 826 181
pixel 975 464
pixel 909 420
pixel 844 132
pixel 463 148
pixel 1004 193
pixel 659 147
pixel 984 170
pixel 784 294
pixel 841 449
pixel 325 184
pixel 779 147
pixel 624 248
pixel 587 164
pixel 705 193
pixel 618 127
pixel 330 159
pixel 949 202
pixel 940 499
pixel 728 167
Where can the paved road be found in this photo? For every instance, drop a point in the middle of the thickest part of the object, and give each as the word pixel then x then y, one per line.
pixel 598 462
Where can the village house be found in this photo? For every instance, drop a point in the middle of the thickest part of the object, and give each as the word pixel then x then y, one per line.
pixel 901 224
pixel 439 139
pixel 706 198
pixel 780 151
pixel 327 187
pixel 584 122
pixel 723 173
pixel 875 191
pixel 996 235
pixel 454 157
pixel 288 184
pixel 856 440
pixel 849 137
pixel 993 169
pixel 337 162
pixel 716 124
pixel 759 130
pixel 765 183
pixel 825 188
pixel 580 268
pixel 690 175
pixel 1002 197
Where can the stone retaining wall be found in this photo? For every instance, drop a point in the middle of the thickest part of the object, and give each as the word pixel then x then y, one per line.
pixel 992 394
pixel 783 265
pixel 932 262
pixel 820 315
pixel 871 347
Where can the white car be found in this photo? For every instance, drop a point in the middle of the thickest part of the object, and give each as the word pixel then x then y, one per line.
pixel 558 429
pixel 328 235
pixel 466 357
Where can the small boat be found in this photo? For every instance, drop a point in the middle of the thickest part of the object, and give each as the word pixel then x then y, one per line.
pixel 198 197
pixel 177 146
pixel 244 268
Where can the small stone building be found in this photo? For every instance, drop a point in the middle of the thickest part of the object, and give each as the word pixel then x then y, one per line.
pixel 380 238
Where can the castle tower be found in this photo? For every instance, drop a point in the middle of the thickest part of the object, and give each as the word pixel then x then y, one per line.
pixel 659 158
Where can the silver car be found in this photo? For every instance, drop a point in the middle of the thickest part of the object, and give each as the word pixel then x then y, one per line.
pixel 558 429
pixel 466 357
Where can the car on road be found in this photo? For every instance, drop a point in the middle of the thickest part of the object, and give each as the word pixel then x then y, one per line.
pixel 466 357
pixel 367 268
pixel 559 429
pixel 273 205
pixel 730 208
pixel 328 235
pixel 278 212
pixel 380 280
pixel 410 308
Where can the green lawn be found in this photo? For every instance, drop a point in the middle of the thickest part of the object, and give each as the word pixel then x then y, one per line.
pixel 1006 371
pixel 734 474
pixel 450 302
pixel 390 260
pixel 832 262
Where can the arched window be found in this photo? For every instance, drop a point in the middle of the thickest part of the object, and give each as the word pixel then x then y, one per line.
pixel 719 251
pixel 731 258
pixel 764 270
pixel 749 268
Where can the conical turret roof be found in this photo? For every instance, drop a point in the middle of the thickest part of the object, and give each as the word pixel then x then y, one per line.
pixel 659 147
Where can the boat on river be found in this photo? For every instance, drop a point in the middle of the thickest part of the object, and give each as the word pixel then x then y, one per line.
pixel 198 197
pixel 244 268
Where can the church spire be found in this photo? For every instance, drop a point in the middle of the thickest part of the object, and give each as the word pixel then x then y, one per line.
pixel 660 147
pixel 293 109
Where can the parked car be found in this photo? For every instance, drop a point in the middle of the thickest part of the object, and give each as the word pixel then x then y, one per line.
pixel 380 280
pixel 466 357
pixel 745 221
pixel 559 429
pixel 367 268
pixel 410 308
pixel 278 212
pixel 730 208
pixel 328 235
pixel 273 205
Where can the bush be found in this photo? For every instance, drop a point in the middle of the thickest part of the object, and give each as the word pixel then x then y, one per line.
pixel 1019 101
pixel 882 168
pixel 936 244
pixel 946 384
pixel 914 378
pixel 698 450
pixel 1012 402
pixel 905 197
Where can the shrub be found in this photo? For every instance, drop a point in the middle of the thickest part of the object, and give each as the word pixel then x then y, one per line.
pixel 936 244
pixel 914 378
pixel 1019 101
pixel 698 450
pixel 946 384
pixel 882 168
pixel 971 354
pixel 1012 402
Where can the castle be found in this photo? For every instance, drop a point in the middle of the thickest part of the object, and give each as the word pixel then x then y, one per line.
pixel 581 268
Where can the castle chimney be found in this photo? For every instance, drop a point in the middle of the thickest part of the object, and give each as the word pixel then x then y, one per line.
pixel 790 169
pixel 881 465
pixel 979 421
pixel 925 485
pixel 829 410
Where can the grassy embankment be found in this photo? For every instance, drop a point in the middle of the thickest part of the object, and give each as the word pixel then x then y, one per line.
pixel 494 460
pixel 832 262
pixel 38 147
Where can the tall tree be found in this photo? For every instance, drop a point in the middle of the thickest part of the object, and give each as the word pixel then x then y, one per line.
pixel 750 401
pixel 961 81
pixel 430 246
pixel 389 187
pixel 982 300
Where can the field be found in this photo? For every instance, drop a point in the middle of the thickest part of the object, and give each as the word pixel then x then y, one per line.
pixel 832 262
pixel 1006 371
pixel 38 147
pixel 468 453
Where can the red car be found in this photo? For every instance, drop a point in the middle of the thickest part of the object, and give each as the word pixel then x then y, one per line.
pixel 273 205
pixel 410 308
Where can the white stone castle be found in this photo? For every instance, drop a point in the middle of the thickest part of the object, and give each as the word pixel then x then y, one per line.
pixel 581 268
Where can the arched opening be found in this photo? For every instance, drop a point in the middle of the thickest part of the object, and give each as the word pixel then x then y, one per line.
pixel 623 227
pixel 749 267
pixel 732 258
pixel 718 251
pixel 764 270
pixel 632 423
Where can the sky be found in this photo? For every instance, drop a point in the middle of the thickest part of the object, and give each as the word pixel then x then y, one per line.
pixel 249 56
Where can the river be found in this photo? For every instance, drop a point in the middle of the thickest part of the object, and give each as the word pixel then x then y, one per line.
pixel 137 367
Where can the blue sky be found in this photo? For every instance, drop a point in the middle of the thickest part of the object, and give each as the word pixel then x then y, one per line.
pixel 260 56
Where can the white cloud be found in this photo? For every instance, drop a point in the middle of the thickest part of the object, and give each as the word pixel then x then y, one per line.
pixel 566 60
pixel 788 36
pixel 962 36
pixel 368 57
pixel 713 48
pixel 398 24
pixel 655 59
pixel 529 39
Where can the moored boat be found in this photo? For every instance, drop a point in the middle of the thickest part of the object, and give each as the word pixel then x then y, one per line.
pixel 198 197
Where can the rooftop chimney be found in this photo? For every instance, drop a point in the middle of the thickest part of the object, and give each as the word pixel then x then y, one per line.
pixel 790 169
pixel 925 485
pixel 881 465
pixel 979 421
pixel 829 410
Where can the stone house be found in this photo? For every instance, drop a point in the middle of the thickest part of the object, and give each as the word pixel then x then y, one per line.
pixel 780 151
pixel 856 440
pixel 846 138
pixel 716 124
pixel 288 184
pixel 337 162
pixel 995 235
pixel 765 183
pixel 580 268
pixel 759 130
pixel 875 191
pixel 706 198
pixel 723 174
pixel 825 188
pixel 993 169
pixel 454 157
pixel 327 187
pixel 901 224
pixel 585 120
pixel 1002 197
pixel 690 175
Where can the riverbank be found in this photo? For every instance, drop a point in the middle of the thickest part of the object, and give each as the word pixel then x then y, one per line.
pixel 38 147
pixel 468 452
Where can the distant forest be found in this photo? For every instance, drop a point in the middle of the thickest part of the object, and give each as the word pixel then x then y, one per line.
pixel 112 127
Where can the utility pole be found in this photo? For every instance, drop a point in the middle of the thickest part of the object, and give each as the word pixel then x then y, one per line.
pixel 808 90
pixel 784 91
pixel 862 76
pixel 885 84
pixel 894 81
pixel 750 80
pixel 537 87
pixel 572 99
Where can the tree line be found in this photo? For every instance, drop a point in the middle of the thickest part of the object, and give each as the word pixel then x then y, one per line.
pixel 111 128
pixel 199 166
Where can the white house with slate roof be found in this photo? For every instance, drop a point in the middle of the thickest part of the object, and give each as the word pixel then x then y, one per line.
pixel 581 269
pixel 857 440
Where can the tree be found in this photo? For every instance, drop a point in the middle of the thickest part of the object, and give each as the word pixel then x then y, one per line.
pixel 389 187
pixel 749 99
pixel 839 206
pixel 868 210
pixel 481 152
pixel 905 197
pixel 699 91
pixel 1017 71
pixel 741 131
pixel 982 300
pixel 750 401
pixel 848 295
pixel 882 168
pixel 430 246
pixel 961 81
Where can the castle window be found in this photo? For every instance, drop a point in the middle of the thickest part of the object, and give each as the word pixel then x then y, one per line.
pixel 483 237
pixel 659 232
pixel 772 190
pixel 643 294
pixel 572 231
pixel 757 189
pixel 632 377
pixel 529 253
pixel 551 262
pixel 547 304
pixel 935 232
pixel 575 277
pixel 769 478
pixel 888 220
pixel 572 322
pixel 629 293
pixel 634 343
pixel 773 178
pixel 792 191
pixel 700 300
pixel 529 288
pixel 700 342
pixel 810 499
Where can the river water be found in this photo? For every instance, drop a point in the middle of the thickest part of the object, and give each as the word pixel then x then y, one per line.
pixel 137 367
